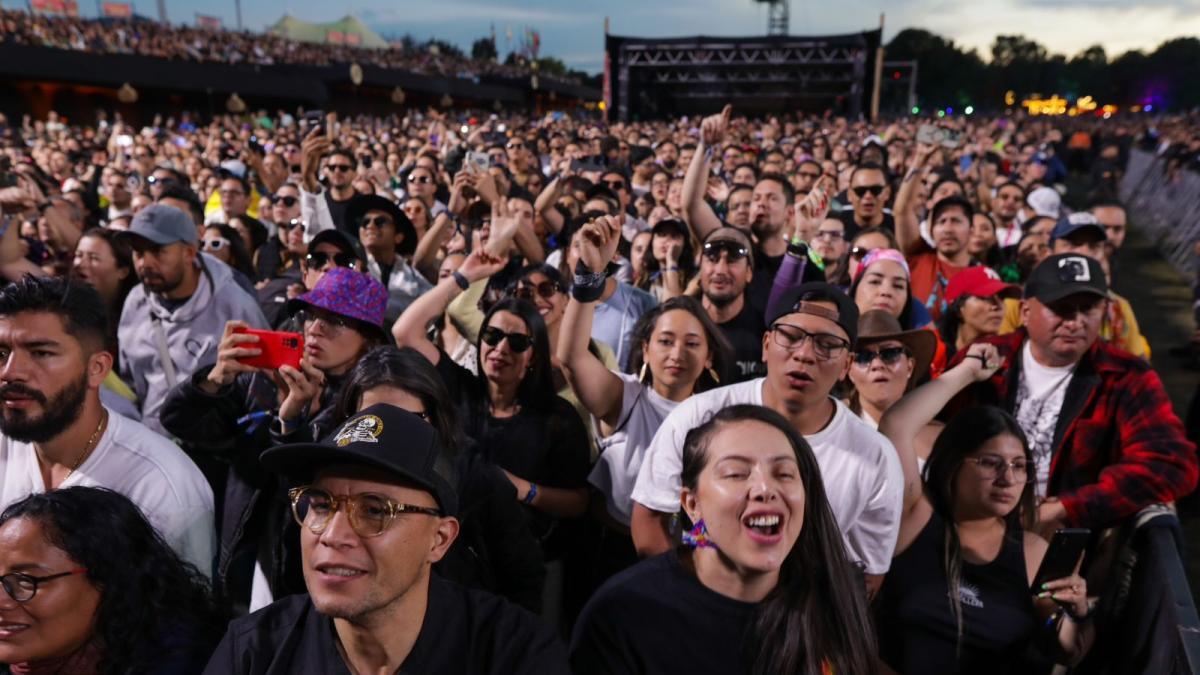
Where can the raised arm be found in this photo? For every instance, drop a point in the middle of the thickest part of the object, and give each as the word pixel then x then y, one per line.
pixel 698 214
pixel 908 224
pixel 410 330
pixel 545 204
pixel 598 388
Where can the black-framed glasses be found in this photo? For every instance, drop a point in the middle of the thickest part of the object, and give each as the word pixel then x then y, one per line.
pixel 518 342
pixel 860 252
pixel 889 355
pixel 340 168
pixel 825 345
pixel 369 514
pixel 214 244
pixel 22 587
pixel 318 260
pixel 525 290
pixel 993 466
pixel 334 322
pixel 862 190
pixel 291 224
pixel 423 180
pixel 515 145
pixel 377 221
pixel 733 251
pixel 616 185
pixel 287 200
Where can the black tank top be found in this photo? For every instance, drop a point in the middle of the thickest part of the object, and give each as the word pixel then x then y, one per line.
pixel 917 626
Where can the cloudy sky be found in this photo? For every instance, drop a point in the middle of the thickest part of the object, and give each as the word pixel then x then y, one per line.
pixel 573 29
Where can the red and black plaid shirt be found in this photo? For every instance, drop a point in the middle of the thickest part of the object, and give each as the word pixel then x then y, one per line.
pixel 1119 446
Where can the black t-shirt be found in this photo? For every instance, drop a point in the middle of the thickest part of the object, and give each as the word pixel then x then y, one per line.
pixel 853 228
pixel 656 617
pixel 744 333
pixel 464 632
pixel 759 291
pixel 337 210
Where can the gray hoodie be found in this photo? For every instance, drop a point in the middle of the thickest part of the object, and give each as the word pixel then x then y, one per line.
pixel 191 333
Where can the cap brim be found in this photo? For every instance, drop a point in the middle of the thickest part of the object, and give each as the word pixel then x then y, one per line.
pixel 996 287
pixel 300 461
pixel 1060 291
pixel 296 304
pixel 156 238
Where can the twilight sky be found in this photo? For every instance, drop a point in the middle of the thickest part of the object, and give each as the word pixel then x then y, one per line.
pixel 573 29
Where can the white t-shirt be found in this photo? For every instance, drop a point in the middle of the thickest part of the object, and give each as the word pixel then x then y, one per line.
pixel 620 460
pixel 138 463
pixel 1040 393
pixel 859 466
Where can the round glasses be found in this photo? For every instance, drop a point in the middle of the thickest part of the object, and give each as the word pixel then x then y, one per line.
pixel 22 587
pixel 369 514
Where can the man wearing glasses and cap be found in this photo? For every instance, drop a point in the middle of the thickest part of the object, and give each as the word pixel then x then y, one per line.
pixel 726 269
pixel 1103 435
pixel 807 347
pixel 376 510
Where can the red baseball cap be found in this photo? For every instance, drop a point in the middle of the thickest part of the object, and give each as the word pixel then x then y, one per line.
pixel 980 281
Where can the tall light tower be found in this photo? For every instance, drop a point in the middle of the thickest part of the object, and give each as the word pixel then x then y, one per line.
pixel 777 16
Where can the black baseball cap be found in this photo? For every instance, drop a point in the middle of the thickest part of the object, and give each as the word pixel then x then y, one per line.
pixel 341 240
pixel 383 437
pixel 1066 274
pixel 791 302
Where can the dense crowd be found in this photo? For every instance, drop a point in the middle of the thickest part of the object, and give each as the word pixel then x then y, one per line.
pixel 191 43
pixel 430 393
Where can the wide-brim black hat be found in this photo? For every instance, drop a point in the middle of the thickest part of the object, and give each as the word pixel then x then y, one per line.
pixel 360 205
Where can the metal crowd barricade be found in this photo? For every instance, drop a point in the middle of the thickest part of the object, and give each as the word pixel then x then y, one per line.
pixel 1166 209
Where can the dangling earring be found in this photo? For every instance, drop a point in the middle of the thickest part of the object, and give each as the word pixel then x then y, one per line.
pixel 712 372
pixel 697 537
pixel 642 372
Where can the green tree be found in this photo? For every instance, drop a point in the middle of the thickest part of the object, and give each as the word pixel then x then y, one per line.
pixel 484 49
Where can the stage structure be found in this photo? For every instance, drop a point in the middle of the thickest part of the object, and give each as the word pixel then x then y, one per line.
pixel 651 78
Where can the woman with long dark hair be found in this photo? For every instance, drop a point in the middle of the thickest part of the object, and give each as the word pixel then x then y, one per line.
pixel 767 586
pixel 957 598
pixel 494 549
pixel 224 243
pixel 89 587
pixel 975 307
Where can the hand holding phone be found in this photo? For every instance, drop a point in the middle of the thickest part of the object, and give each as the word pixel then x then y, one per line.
pixel 1062 557
pixel 275 348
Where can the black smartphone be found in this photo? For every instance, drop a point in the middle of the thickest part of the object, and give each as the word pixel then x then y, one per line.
pixel 1062 556
pixel 315 119
pixel 256 146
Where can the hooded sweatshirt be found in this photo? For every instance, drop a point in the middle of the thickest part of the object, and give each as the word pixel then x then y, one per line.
pixel 190 334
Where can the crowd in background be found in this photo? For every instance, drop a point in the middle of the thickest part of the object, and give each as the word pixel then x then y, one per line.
pixel 794 394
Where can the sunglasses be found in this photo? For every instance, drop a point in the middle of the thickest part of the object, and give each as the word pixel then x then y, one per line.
pixel 518 342
pixel 546 289
pixel 860 252
pixel 809 175
pixel 339 167
pixel 287 200
pixel 733 251
pixel 862 190
pixel 615 184
pixel 377 221
pixel 889 355
pixel 515 146
pixel 214 244
pixel 318 261
pixel 291 224
pixel 424 180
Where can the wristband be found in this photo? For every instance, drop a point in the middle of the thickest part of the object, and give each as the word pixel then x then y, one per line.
pixel 461 280
pixel 529 496
pixel 587 285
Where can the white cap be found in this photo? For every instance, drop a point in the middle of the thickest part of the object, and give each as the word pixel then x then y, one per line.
pixel 1045 201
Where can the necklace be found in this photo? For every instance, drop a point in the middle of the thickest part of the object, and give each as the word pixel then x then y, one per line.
pixel 91 444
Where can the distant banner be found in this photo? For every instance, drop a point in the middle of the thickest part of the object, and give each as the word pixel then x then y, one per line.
pixel 56 7
pixel 117 10
pixel 209 22
pixel 335 37
pixel 353 39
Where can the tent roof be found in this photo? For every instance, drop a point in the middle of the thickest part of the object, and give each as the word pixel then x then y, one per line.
pixel 346 30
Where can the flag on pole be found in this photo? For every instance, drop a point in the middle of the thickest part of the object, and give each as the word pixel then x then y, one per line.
pixel 208 21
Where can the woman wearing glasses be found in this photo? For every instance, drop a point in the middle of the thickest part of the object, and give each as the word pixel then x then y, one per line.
pixel 888 362
pixel 225 244
pixel 510 408
pixel 234 411
pixel 966 533
pixel 87 586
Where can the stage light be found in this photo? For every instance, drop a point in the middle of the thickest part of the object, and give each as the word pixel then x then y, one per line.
pixel 941 113
pixel 970 110
pixel 916 110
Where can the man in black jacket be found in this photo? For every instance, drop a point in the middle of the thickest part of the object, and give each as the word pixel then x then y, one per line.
pixel 377 509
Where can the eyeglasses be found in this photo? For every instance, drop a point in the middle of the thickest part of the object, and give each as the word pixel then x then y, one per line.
pixel 518 342
pixel 214 244
pixel 862 190
pixel 334 322
pixel 318 260
pixel 809 175
pixel 155 180
pixel 617 185
pixel 22 587
pixel 515 146
pixel 369 514
pixel 291 224
pixel 860 252
pixel 287 200
pixel 232 193
pixel 993 466
pixel 545 289
pixel 378 222
pixel 889 355
pixel 733 251
pixel 340 168
pixel 424 180
pixel 832 235
pixel 791 338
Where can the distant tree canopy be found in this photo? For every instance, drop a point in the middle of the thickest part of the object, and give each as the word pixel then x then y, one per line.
pixel 952 76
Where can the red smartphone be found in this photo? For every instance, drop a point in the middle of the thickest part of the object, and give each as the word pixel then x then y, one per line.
pixel 278 349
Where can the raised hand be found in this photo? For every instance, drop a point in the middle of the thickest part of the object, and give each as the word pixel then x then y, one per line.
pixel 714 127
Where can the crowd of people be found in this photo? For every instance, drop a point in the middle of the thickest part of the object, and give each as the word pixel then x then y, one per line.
pixel 510 395
pixel 181 42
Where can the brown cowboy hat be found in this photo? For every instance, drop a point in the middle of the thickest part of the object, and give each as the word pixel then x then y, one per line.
pixel 878 325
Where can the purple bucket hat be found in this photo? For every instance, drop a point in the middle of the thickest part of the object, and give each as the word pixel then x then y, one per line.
pixel 351 294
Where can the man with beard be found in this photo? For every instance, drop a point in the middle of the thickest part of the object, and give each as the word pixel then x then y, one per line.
pixel 726 268
pixel 172 322
pixel 55 432
pixel 933 268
